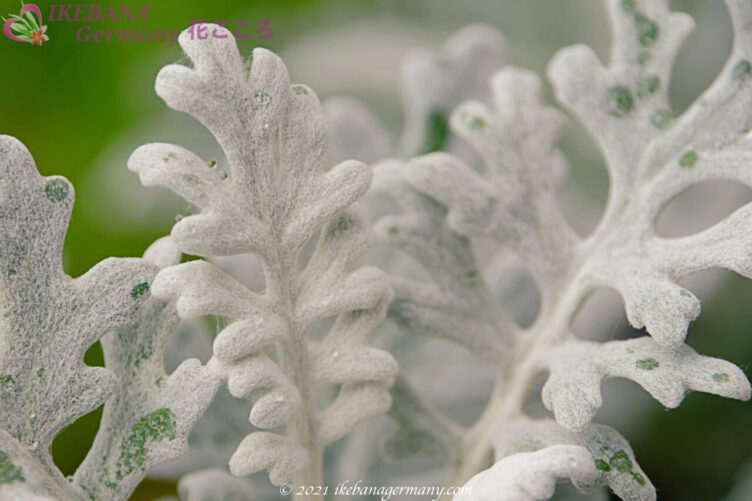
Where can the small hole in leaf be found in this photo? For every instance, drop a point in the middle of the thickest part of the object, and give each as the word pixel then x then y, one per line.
pixel 152 489
pixel 94 356
pixel 712 37
pixel 514 287
pixel 533 406
pixel 319 330
pixel 601 316
pixel 191 339
pixel 308 249
pixel 70 446
pixel 584 192
pixel 437 132
pixel 700 207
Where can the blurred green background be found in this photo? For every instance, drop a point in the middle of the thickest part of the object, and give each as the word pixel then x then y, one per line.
pixel 81 108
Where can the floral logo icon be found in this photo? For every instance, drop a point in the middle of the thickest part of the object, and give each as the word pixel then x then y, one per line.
pixel 26 26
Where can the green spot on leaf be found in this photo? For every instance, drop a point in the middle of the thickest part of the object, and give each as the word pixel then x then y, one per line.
pixel 643 57
pixel 647 29
pixel 156 426
pixel 159 382
pixel 648 85
pixel 11 272
pixel 299 89
pixel 56 190
pixel 170 156
pixel 621 462
pixel 190 178
pixel 143 354
pixel 662 119
pixel 720 377
pixel 262 97
pixel 139 290
pixel 622 101
pixel 40 372
pixel 9 473
pixel 8 384
pixel 437 132
pixel 477 123
pixel 688 159
pixel 471 274
pixel 602 465
pixel 628 5
pixel 742 70
pixel 647 364
pixel 393 230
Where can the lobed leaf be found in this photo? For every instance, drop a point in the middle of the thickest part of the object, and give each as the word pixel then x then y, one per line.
pixel 577 368
pixel 529 476
pixel 49 318
pixel 214 484
pixel 148 419
pixel 274 199
pixel 611 455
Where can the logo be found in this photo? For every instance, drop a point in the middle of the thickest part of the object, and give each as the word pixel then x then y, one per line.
pixel 26 26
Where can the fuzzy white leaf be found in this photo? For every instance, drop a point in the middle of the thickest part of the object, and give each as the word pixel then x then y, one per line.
pixel 530 476
pixel 651 157
pixel 50 319
pixel 275 198
pixel 214 484
pixel 458 306
pixel 577 368
pixel 148 419
pixel 517 202
pixel 611 454
pixel 221 427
